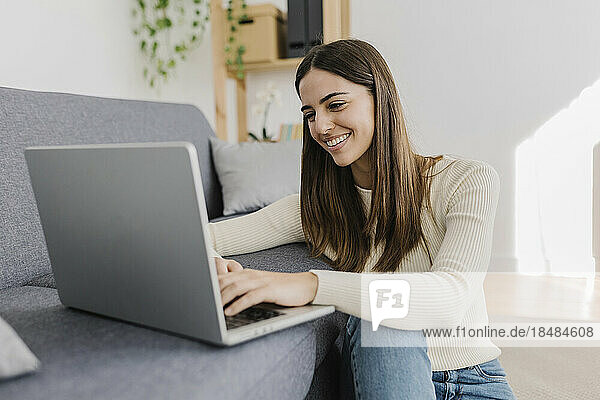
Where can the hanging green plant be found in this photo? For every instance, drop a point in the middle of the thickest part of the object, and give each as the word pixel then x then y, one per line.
pixel 235 52
pixel 168 30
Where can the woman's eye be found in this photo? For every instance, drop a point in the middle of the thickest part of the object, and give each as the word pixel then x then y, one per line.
pixel 332 106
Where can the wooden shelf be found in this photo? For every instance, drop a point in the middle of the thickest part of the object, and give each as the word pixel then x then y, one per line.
pixel 336 25
pixel 277 65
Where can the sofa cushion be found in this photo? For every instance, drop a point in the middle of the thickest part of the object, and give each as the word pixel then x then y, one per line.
pixel 224 217
pixel 29 118
pixel 15 357
pixel 254 175
pixel 88 356
pixel 292 257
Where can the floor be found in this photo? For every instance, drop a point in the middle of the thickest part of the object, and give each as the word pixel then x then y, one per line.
pixel 542 297
pixel 550 371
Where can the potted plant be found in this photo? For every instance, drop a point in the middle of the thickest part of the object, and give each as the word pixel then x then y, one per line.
pixel 266 98
pixel 168 30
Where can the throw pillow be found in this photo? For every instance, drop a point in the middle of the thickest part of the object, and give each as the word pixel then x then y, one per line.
pixel 256 174
pixel 15 357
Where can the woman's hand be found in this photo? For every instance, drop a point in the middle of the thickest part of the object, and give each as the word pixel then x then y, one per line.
pixel 224 266
pixel 253 287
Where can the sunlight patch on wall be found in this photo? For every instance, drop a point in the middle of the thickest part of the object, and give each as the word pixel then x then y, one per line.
pixel 554 191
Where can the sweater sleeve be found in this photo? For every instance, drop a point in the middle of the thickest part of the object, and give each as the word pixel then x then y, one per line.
pixel 438 298
pixel 211 247
pixel 277 224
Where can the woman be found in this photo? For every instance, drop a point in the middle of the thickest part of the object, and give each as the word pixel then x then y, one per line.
pixel 370 204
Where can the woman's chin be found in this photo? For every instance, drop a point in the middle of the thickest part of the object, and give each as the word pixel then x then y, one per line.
pixel 341 160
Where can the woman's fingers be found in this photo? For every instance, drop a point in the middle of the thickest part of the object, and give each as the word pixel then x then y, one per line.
pixel 245 274
pixel 238 288
pixel 224 266
pixel 221 265
pixel 234 266
pixel 250 299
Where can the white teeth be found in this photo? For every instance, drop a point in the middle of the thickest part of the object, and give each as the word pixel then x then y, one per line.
pixel 333 142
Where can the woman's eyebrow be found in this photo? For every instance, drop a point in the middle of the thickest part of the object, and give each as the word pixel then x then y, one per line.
pixel 324 99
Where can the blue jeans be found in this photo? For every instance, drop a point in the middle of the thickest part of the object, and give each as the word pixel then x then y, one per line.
pixel 401 369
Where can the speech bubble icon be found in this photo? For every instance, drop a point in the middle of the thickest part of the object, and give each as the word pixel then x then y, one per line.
pixel 388 298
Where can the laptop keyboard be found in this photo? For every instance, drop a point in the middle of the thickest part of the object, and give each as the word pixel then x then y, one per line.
pixel 249 316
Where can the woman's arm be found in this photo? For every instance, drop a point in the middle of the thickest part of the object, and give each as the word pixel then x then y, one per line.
pixel 439 298
pixel 277 224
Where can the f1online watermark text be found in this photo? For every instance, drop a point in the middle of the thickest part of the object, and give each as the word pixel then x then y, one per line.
pixel 519 331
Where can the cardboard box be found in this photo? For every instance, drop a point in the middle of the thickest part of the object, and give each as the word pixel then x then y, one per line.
pixel 263 34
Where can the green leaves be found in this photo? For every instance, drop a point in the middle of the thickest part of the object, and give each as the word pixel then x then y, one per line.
pixel 233 32
pixel 163 23
pixel 167 31
pixel 150 28
pixel 161 4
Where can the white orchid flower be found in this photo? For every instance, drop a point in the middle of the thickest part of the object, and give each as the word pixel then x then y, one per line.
pixel 258 109
pixel 271 87
pixel 277 97
pixel 262 95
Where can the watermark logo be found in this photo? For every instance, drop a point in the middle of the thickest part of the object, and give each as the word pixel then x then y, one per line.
pixel 388 299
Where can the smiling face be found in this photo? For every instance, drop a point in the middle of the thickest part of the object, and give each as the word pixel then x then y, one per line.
pixel 334 108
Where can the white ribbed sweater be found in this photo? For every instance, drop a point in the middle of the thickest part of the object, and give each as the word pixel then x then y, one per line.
pixel 448 294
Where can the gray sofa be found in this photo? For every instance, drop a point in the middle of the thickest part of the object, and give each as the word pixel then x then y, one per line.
pixel 88 356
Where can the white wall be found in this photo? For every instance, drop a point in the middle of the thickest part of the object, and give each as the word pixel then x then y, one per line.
pixel 87 47
pixel 482 77
pixel 496 81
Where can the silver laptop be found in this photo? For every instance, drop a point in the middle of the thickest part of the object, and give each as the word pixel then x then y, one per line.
pixel 124 226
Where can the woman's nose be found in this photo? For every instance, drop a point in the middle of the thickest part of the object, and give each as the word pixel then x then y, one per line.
pixel 323 124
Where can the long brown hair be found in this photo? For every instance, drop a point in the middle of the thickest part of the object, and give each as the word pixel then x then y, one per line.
pixel 331 208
